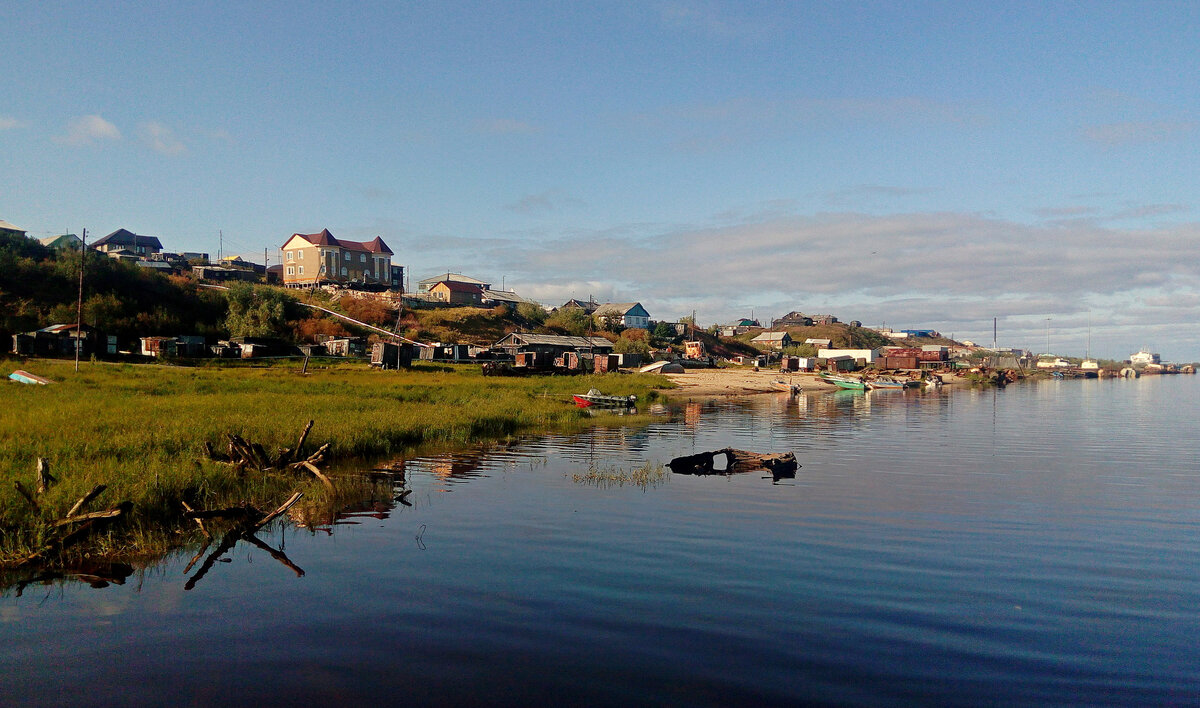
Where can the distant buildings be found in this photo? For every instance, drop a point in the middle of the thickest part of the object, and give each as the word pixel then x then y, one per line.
pixel 624 314
pixel 7 229
pixel 314 259
pixel 124 244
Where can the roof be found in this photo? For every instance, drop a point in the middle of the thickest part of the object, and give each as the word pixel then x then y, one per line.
pixel 587 306
pixel 124 237
pixel 816 340
pixel 771 337
pixel 69 240
pixel 5 226
pixel 325 238
pixel 503 296
pixel 620 309
pixel 556 340
pixel 449 276
pixel 455 286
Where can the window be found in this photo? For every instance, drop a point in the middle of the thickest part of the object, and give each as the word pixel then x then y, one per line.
pixel 289 255
pixel 362 257
pixel 302 255
pixel 301 270
pixel 291 269
pixel 344 272
pixel 367 274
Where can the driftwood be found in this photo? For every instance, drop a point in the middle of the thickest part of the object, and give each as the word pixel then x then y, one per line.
pixel 88 524
pixel 781 465
pixel 29 497
pixel 86 499
pixel 244 454
pixel 44 478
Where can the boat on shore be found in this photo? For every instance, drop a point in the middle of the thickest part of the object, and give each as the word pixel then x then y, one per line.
pixel 787 386
pixel 849 383
pixel 593 398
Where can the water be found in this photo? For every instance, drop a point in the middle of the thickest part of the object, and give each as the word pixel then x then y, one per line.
pixel 1024 546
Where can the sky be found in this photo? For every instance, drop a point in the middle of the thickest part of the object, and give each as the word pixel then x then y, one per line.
pixel 931 165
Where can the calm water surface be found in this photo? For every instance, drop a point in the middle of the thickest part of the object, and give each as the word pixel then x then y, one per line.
pixel 1024 546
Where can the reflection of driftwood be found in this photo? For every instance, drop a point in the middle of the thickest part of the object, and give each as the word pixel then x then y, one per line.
pixel 244 531
pixel 780 465
pixel 277 555
pixel 98 575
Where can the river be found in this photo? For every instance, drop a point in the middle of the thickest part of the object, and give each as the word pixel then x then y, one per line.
pixel 1029 545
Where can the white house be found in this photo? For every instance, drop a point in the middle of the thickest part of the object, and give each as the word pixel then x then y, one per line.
pixel 868 355
pixel 627 314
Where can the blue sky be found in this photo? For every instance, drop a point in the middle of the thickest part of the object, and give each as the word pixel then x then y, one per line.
pixel 911 164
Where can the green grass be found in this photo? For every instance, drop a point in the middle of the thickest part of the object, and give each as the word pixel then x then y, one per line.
pixel 647 476
pixel 140 428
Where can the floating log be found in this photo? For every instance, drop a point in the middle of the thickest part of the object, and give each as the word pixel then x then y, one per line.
pixel 703 463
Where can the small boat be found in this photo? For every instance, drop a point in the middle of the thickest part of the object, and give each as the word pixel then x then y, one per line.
pixel 847 382
pixel 891 384
pixel 594 398
pixel 27 378
pixel 787 386
pixel 933 382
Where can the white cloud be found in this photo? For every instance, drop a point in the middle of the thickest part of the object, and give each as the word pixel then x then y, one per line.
pixel 88 130
pixel 8 123
pixel 161 139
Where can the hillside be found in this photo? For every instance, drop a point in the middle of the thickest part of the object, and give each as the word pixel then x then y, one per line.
pixel 842 336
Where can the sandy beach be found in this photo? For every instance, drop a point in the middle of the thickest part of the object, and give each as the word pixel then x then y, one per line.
pixel 700 383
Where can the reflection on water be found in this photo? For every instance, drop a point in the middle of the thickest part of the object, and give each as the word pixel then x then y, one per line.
pixel 1031 545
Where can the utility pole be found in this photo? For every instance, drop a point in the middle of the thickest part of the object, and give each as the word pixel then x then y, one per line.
pixel 220 244
pixel 79 305
pixel 1047 336
pixel 994 319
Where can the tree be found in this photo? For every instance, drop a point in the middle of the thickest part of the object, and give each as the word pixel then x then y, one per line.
pixel 532 312
pixel 572 320
pixel 257 312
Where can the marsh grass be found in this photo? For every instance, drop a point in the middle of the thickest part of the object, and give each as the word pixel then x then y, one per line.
pixel 140 428
pixel 646 476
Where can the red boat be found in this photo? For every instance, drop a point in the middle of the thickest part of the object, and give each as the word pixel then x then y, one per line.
pixel 595 398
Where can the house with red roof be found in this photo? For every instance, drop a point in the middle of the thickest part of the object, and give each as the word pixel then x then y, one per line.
pixel 457 293
pixel 314 259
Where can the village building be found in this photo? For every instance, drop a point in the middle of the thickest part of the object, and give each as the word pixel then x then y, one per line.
pixel 773 340
pixel 69 242
pixel 819 343
pixel 122 243
pixel 315 259
pixel 457 293
pixel 589 306
pixel 7 229
pixel 793 319
pixel 740 326
pixel 860 356
pixel 426 285
pixel 491 298
pixel 824 319
pixel 624 314
pixel 544 349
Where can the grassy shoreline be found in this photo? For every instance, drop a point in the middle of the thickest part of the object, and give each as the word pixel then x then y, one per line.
pixel 140 428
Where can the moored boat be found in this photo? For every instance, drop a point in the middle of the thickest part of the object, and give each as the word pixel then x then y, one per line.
pixel 850 383
pixel 891 384
pixel 593 398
